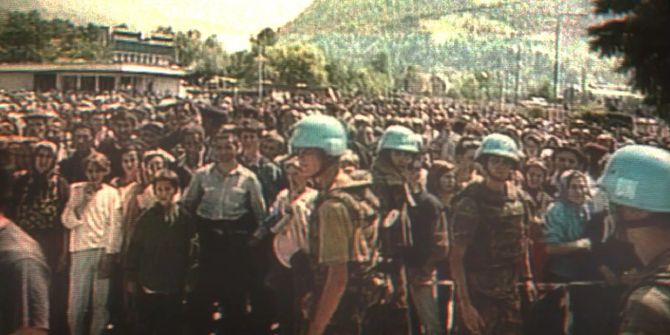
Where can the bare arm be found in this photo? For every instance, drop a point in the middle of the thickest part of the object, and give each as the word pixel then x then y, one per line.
pixel 458 273
pixel 333 289
pixel 471 318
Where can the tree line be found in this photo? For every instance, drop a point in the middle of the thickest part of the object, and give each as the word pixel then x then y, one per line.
pixel 29 37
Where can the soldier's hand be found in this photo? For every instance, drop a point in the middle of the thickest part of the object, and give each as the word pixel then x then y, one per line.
pixel 531 290
pixel 471 318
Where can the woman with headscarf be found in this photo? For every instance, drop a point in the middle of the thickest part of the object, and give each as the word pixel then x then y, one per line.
pixel 564 233
pixel 569 244
pixel 40 195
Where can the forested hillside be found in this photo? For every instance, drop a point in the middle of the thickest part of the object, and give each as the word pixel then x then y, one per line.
pixel 499 37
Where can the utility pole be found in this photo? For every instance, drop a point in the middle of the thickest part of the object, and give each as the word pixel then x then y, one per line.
pixel 517 75
pixel 557 54
pixel 502 75
pixel 260 72
pixel 584 96
pixel 557 44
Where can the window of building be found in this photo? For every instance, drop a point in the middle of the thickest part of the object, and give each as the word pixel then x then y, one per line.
pixel 106 83
pixel 88 83
pixel 44 82
pixel 69 83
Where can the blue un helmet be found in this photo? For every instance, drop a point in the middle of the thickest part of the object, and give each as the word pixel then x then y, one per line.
pixel 400 138
pixel 319 132
pixel 638 176
pixel 498 145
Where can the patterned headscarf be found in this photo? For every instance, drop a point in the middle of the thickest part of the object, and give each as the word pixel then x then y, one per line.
pixel 565 180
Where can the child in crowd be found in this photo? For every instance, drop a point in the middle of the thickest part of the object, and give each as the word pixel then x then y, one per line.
pixel 159 259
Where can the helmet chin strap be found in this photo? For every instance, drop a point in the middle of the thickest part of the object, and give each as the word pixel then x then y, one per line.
pixel 329 163
pixel 484 164
pixel 492 176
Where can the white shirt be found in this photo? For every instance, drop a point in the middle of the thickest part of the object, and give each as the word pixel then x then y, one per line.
pixel 214 196
pixel 100 223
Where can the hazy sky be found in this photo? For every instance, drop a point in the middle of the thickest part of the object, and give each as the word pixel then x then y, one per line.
pixel 233 21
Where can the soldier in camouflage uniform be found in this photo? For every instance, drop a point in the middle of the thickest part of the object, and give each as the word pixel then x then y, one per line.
pixel 342 232
pixel 636 180
pixel 397 149
pixel 490 254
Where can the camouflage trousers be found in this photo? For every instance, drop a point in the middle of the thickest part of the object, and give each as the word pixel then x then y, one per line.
pixel 501 317
pixel 362 292
pixel 496 298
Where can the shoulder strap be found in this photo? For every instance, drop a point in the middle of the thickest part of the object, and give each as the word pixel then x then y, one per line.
pixel 360 208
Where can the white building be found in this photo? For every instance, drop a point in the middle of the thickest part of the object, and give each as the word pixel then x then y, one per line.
pixel 93 77
pixel 132 47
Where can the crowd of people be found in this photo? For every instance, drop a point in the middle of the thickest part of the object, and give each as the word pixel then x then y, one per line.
pixel 134 214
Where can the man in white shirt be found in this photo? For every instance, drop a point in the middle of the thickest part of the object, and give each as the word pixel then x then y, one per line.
pixel 227 201
pixel 93 215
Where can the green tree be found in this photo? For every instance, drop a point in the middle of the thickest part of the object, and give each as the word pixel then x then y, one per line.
pixel 24 37
pixel 27 37
pixel 188 46
pixel 380 62
pixel 205 59
pixel 297 63
pixel 469 88
pixel 338 75
pixel 211 59
pixel 241 65
pixel 267 37
pixel 636 32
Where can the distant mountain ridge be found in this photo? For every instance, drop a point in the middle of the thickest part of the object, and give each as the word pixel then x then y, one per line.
pixel 54 9
pixel 464 35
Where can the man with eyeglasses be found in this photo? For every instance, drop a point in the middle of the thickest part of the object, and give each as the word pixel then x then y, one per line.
pixel 490 252
pixel 636 180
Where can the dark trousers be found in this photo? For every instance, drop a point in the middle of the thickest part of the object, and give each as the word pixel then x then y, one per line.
pixel 159 314
pixel 54 245
pixel 230 277
pixel 287 287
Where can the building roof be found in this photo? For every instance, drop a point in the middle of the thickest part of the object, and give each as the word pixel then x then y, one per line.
pixel 94 67
pixel 157 47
